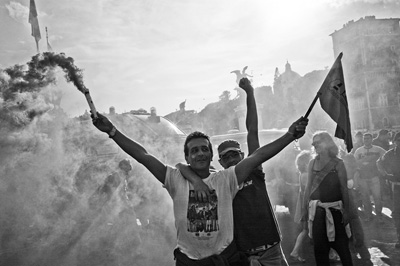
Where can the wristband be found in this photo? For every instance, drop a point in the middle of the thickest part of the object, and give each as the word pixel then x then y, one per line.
pixel 112 132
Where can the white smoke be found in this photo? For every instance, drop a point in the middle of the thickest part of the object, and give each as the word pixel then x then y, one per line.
pixel 57 205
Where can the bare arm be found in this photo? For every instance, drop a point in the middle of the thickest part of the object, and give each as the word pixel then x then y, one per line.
pixel 251 116
pixel 308 189
pixel 131 147
pixel 202 191
pixel 379 164
pixel 244 167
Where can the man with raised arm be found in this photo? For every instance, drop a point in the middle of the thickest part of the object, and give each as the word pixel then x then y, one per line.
pixel 204 231
pixel 256 231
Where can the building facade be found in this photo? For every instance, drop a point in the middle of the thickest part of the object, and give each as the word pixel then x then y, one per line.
pixel 371 49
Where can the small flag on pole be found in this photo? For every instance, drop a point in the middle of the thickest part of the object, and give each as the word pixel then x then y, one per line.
pixel 333 100
pixel 33 20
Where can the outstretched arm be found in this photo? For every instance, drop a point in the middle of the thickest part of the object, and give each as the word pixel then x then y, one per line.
pixel 251 116
pixel 131 147
pixel 244 167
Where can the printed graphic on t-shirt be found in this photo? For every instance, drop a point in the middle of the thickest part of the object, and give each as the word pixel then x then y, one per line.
pixel 202 217
pixel 368 163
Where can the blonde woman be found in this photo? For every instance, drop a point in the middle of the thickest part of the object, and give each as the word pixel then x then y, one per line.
pixel 327 201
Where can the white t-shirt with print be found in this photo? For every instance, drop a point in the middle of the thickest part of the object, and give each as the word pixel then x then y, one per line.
pixel 203 229
pixel 366 159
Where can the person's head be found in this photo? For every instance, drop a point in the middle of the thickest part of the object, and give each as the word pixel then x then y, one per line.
pixel 359 137
pixel 384 135
pixel 367 139
pixel 125 165
pixel 229 153
pixel 396 139
pixel 323 142
pixel 302 160
pixel 198 150
pixel 112 181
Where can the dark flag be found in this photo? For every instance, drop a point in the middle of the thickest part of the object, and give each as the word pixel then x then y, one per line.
pixel 333 99
pixel 33 20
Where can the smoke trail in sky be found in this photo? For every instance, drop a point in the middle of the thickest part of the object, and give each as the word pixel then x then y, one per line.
pixel 48 60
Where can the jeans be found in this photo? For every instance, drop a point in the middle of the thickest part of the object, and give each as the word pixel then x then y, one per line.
pixel 272 257
pixel 321 242
pixel 373 186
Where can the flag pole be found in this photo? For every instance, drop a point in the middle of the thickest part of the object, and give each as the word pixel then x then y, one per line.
pixel 312 104
pixel 47 35
pixel 37 46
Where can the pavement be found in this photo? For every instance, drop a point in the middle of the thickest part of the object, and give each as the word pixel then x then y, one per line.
pixel 380 238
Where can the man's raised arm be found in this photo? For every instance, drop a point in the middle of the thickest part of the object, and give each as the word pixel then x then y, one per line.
pixel 296 130
pixel 131 147
pixel 251 116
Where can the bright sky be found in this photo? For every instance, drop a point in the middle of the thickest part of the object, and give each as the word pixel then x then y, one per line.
pixel 145 53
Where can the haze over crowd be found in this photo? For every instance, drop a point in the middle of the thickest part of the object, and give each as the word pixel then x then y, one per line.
pixel 142 54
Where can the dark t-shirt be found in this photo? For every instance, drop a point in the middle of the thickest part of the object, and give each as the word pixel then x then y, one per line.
pixel 391 164
pixel 329 189
pixel 254 220
pixel 383 144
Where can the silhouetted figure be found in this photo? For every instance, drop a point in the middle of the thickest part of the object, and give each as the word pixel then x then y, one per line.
pixel 382 140
pixel 358 141
pixel 302 161
pixel 367 176
pixel 390 164
pixel 357 231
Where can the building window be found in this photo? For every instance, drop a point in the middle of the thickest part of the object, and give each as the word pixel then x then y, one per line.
pixel 383 100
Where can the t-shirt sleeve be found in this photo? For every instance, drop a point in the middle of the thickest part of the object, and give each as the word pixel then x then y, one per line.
pixel 357 154
pixel 233 183
pixel 171 176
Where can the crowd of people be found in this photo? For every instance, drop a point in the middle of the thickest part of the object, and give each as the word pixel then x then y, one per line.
pixel 344 191
pixel 226 217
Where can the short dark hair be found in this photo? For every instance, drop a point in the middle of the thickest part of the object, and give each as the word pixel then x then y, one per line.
pixel 383 132
pixel 196 135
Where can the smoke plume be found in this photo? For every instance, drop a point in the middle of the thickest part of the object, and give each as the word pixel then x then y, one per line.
pixel 63 198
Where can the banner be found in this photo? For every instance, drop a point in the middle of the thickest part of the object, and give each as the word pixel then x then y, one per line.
pixel 333 100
